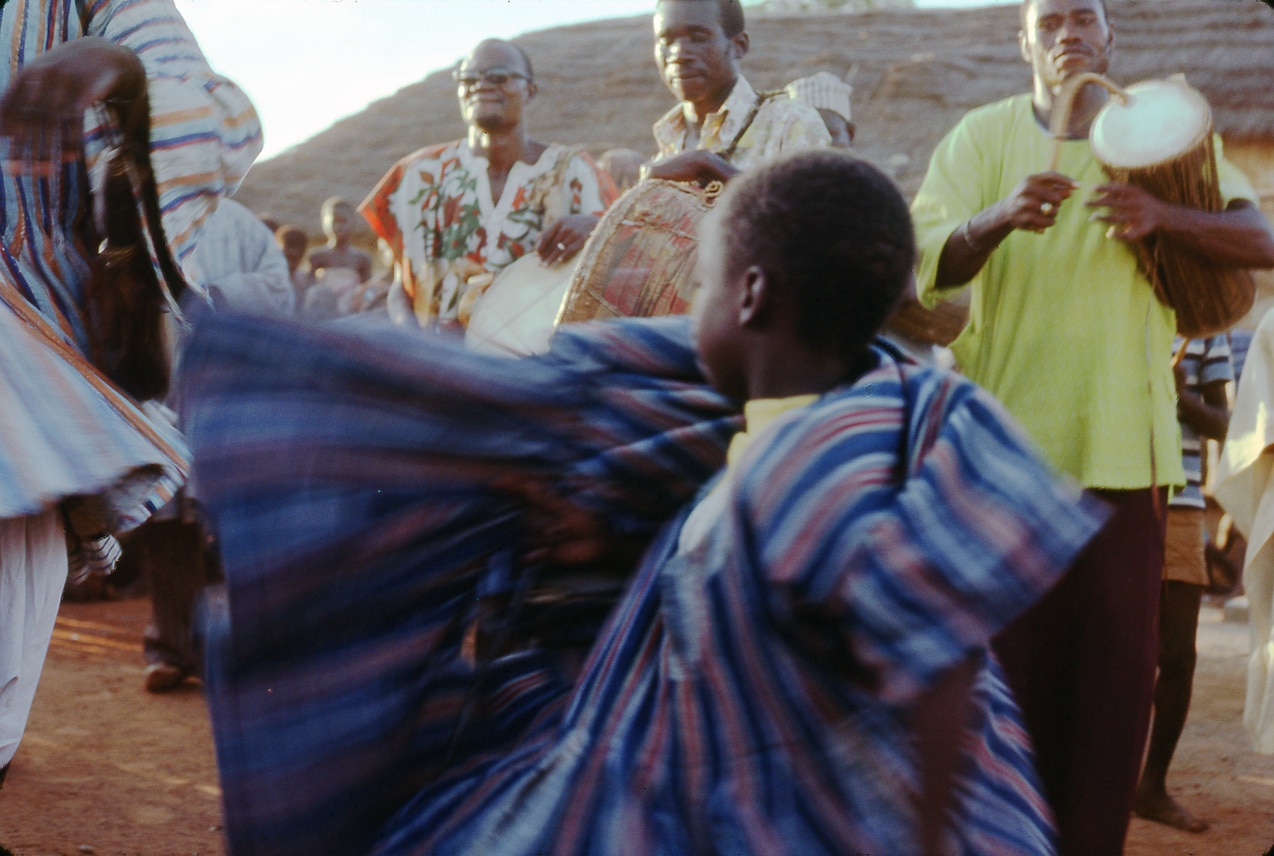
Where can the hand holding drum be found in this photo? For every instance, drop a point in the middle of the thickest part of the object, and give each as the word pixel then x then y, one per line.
pixel 1133 213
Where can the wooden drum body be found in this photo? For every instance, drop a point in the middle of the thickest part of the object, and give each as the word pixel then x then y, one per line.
pixel 1159 138
pixel 640 260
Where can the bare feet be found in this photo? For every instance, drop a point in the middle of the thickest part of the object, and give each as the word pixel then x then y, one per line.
pixel 1162 808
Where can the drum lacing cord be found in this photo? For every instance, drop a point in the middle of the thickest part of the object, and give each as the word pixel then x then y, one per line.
pixel 728 152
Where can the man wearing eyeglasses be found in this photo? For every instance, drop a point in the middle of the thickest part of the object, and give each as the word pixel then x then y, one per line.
pixel 721 126
pixel 457 213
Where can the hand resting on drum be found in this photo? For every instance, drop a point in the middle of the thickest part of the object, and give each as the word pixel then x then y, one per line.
pixel 564 238
pixel 1131 212
pixel 700 166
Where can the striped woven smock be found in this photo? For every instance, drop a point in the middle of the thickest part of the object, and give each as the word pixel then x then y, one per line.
pixel 749 693
pixel 63 429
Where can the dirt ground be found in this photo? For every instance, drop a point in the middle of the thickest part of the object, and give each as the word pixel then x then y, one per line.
pixel 108 769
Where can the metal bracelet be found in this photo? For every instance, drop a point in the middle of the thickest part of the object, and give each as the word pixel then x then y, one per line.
pixel 968 237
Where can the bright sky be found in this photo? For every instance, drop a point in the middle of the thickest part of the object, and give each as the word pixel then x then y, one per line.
pixel 308 63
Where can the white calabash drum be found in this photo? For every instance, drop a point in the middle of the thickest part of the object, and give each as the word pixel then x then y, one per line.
pixel 640 260
pixel 517 313
pixel 1159 137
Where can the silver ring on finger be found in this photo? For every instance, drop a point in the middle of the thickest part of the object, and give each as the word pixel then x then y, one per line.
pixel 561 246
pixel 1048 209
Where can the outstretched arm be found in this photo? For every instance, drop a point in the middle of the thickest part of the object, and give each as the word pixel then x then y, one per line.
pixel 204 132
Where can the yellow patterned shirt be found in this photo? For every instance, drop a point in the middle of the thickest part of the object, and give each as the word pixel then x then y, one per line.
pixel 781 124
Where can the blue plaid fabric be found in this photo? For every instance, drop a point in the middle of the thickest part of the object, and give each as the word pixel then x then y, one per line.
pixel 749 697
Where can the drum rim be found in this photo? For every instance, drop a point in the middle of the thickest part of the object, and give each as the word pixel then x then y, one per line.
pixel 1101 151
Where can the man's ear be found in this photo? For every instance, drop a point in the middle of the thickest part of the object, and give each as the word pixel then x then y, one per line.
pixel 531 90
pixel 739 46
pixel 754 297
pixel 1021 46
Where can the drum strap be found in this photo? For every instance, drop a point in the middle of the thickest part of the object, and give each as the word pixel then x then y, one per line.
pixel 728 151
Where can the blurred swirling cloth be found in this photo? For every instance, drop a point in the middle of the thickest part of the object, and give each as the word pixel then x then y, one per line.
pixel 350 476
pixel 350 479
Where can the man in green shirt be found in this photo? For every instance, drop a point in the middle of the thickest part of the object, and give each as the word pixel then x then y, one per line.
pixel 1067 332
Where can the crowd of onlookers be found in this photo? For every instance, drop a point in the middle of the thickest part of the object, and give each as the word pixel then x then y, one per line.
pixel 336 278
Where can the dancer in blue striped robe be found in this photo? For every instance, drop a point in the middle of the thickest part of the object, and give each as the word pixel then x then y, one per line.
pixel 799 663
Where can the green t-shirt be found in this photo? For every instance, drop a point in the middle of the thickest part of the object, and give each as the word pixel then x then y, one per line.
pixel 1063 329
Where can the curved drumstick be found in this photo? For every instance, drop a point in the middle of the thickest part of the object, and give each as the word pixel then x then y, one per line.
pixel 1059 121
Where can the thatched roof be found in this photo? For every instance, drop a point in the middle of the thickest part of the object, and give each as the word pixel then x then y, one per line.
pixel 915 72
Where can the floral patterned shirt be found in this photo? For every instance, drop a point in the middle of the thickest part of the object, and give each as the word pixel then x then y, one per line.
pixel 781 124
pixel 434 209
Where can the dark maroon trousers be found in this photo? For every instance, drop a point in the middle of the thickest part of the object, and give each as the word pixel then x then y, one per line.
pixel 1082 662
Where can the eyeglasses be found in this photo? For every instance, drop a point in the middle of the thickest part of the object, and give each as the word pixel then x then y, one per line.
pixel 497 76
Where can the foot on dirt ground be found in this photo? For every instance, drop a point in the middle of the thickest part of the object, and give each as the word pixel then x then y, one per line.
pixel 161 677
pixel 1162 808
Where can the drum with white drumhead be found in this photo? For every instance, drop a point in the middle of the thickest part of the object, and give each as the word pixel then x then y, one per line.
pixel 1158 137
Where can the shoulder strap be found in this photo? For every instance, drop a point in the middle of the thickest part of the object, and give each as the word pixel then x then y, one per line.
pixel 728 151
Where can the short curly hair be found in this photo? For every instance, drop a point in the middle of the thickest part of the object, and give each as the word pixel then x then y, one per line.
pixel 1026 6
pixel 833 232
pixel 517 48
pixel 730 11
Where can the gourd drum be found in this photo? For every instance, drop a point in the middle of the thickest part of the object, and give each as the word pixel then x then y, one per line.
pixel 1159 137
